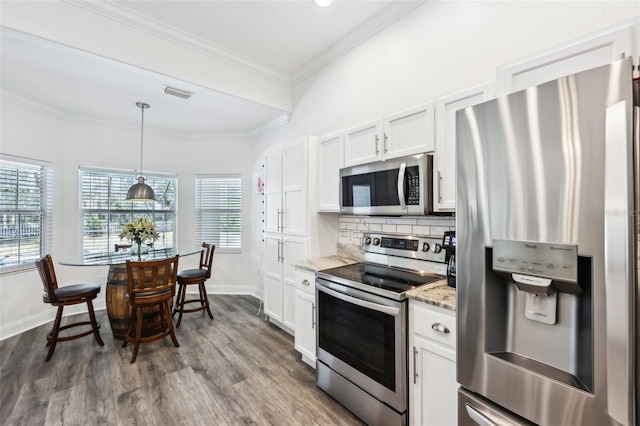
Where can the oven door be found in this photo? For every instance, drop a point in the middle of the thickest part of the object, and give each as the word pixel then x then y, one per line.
pixel 363 337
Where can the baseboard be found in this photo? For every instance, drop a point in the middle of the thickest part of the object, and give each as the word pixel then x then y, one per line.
pixel 25 324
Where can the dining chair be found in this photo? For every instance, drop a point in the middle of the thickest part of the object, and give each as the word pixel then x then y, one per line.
pixel 152 285
pixel 195 277
pixel 65 296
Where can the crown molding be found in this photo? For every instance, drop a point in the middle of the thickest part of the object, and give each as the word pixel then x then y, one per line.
pixel 138 21
pixel 269 126
pixel 359 35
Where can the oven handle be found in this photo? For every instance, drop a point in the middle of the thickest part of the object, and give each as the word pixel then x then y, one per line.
pixel 369 305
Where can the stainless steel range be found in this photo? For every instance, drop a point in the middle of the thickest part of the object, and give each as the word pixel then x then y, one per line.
pixel 362 324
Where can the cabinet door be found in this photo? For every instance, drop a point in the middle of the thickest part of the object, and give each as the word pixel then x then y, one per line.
pixel 331 160
pixel 305 337
pixel 409 132
pixel 272 190
pixel 294 193
pixel 444 191
pixel 294 250
pixel 362 144
pixel 273 279
pixel 433 386
pixel 584 54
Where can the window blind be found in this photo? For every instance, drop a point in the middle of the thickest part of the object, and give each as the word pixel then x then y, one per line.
pixel 105 210
pixel 219 211
pixel 26 211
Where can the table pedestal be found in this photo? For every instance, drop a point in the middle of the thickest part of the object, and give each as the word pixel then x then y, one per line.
pixel 118 308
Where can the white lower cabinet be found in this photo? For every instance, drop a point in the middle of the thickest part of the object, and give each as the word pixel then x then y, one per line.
pixel 305 305
pixel 281 253
pixel 432 366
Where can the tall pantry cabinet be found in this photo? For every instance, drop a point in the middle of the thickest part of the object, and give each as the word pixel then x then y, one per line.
pixel 292 226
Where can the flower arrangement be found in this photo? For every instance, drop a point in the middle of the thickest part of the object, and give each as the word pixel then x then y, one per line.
pixel 140 231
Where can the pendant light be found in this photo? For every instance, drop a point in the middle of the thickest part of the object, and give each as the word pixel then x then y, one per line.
pixel 141 191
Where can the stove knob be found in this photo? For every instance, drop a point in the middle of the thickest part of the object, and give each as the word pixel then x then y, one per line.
pixel 376 241
pixel 367 241
pixel 437 248
pixel 425 246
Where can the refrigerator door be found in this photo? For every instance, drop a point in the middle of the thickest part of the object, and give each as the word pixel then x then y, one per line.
pixel 542 171
pixel 476 411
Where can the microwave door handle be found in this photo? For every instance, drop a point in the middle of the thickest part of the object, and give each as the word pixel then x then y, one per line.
pixel 403 168
pixel 365 304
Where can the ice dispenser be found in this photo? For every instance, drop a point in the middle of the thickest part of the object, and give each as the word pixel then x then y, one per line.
pixel 539 309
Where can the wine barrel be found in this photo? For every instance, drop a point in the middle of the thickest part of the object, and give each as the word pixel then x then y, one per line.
pixel 119 310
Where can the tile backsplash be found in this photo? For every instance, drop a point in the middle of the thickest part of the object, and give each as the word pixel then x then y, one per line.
pixel 351 228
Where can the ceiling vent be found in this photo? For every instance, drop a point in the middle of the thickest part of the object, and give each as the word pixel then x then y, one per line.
pixel 177 92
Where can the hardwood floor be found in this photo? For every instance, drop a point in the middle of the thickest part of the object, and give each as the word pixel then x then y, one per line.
pixel 236 369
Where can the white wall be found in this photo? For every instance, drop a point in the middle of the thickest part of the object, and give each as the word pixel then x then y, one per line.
pixel 69 142
pixel 440 48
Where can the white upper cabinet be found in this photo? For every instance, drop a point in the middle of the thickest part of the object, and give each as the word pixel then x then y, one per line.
pixel 330 161
pixel 285 190
pixel 409 132
pixel 397 135
pixel 444 191
pixel 580 55
pixel 362 143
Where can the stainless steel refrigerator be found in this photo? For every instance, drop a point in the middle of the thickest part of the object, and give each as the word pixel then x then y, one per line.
pixel 546 219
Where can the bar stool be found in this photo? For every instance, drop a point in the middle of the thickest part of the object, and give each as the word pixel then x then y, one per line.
pixel 195 276
pixel 152 284
pixel 66 296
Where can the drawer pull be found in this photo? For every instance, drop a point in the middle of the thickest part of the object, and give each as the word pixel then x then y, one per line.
pixel 305 282
pixel 440 328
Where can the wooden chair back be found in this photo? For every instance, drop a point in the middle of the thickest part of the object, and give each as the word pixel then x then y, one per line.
pixel 48 276
pixel 151 281
pixel 206 258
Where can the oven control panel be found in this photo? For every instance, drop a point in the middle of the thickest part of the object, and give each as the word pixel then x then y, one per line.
pixel 409 246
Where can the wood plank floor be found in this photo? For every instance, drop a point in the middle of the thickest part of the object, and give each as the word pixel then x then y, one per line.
pixel 236 369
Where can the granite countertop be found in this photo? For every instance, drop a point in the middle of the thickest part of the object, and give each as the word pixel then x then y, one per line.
pixel 320 263
pixel 438 294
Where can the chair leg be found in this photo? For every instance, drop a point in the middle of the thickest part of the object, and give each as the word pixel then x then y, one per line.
pixel 204 298
pixel 183 295
pixel 177 303
pixel 138 335
pixel 127 335
pixel 94 324
pixel 52 339
pixel 172 333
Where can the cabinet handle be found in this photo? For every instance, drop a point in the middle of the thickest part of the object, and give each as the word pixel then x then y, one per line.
pixel 282 256
pixel 313 315
pixel 385 142
pixel 305 282
pixel 377 149
pixel 415 365
pixel 439 187
pixel 279 251
pixel 440 328
pixel 278 220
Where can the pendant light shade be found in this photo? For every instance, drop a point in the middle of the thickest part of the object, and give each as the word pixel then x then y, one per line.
pixel 141 191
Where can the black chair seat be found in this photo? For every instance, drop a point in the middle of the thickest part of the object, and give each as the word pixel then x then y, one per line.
pixel 192 274
pixel 76 291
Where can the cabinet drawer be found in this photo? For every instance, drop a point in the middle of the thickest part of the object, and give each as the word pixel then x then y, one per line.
pixel 434 323
pixel 305 280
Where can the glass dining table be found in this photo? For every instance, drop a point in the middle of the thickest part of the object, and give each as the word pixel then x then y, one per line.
pixel 118 309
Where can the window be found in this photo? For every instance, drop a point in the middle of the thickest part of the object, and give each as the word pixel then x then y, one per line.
pixel 26 211
pixel 219 211
pixel 105 210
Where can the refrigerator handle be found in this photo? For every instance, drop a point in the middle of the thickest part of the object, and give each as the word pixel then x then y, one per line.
pixel 618 263
pixel 480 419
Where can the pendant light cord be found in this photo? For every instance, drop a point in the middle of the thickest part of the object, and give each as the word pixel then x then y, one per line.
pixel 141 137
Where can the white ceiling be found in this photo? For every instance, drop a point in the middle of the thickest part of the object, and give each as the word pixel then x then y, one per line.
pixel 285 36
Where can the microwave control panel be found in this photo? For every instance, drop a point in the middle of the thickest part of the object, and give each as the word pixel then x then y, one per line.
pixel 413 186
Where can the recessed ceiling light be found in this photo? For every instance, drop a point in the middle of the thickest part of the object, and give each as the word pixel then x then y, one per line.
pixel 322 3
pixel 177 92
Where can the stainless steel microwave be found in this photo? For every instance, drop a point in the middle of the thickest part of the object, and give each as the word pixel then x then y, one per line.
pixel 402 186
